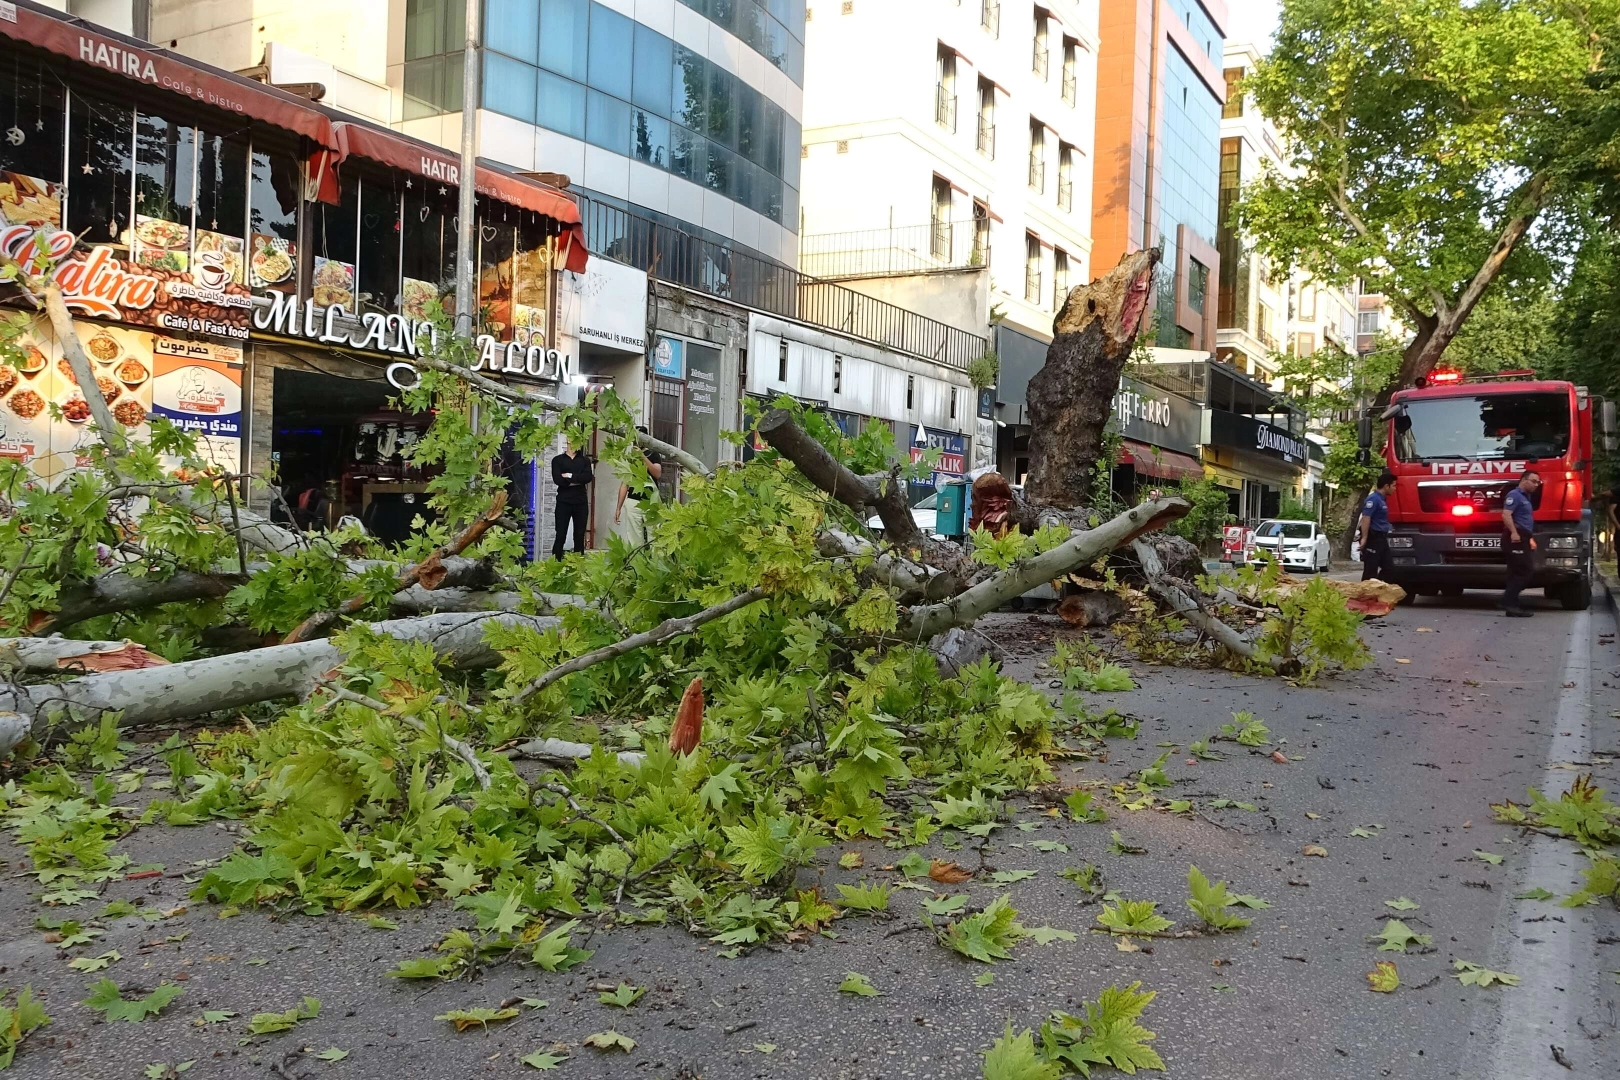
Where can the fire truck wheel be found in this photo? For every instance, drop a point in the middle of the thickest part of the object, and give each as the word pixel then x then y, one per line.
pixel 1576 596
pixel 1451 590
pixel 1409 599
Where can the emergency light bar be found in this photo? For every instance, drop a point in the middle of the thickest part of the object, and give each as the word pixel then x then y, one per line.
pixel 1445 375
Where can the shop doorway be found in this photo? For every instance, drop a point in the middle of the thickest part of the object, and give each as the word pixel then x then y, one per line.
pixel 340 451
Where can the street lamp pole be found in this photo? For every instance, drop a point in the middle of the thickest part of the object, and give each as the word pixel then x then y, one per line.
pixel 466 256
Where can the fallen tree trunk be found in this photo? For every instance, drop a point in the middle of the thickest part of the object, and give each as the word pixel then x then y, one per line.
pixel 914 581
pixel 884 492
pixel 1187 607
pixel 197 687
pixel 1079 550
pixel 1071 397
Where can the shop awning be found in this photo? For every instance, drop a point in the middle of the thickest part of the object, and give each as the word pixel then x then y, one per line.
pixel 1156 461
pixel 402 152
pixel 142 63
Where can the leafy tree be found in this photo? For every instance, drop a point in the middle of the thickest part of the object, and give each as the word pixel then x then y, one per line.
pixel 1436 147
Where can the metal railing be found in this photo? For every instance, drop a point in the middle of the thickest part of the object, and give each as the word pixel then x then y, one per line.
pixel 945 107
pixel 672 255
pixel 990 17
pixel 1069 88
pixel 987 136
pixel 1032 284
pixel 911 249
pixel 1041 60
pixel 1066 194
pixel 1037 173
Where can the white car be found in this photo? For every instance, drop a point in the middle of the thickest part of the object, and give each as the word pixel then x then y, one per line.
pixel 1298 545
pixel 924 514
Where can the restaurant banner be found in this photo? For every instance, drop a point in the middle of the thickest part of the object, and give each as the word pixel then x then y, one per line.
pixel 197 386
pixel 97 282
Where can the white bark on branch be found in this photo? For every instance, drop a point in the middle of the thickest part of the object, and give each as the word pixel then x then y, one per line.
pixel 1079 550
pixel 1188 608
pixel 561 750
pixel 915 581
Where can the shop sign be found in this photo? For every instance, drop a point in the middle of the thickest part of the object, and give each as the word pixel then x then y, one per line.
pixel 613 306
pixel 399 335
pixel 197 390
pixel 669 359
pixel 952 463
pixel 1255 436
pixel 1149 415
pixel 701 433
pixel 95 282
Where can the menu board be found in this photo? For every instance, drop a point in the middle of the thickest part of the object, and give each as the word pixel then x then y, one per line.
pixel 45 419
pixel 334 283
pixel 162 245
pixel 28 200
pixel 273 264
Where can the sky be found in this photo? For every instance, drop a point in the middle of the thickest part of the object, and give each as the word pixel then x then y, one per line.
pixel 1252 20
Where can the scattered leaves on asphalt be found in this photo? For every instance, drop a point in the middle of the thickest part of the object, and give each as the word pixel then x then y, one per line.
pixel 610 1040
pixel 623 997
pixel 856 983
pixel 1396 936
pixel 1315 849
pixel 1487 856
pixel 1401 903
pixel 1384 978
pixel 542 1060
pixel 480 1017
pixel 106 998
pixel 268 1023
pixel 1472 974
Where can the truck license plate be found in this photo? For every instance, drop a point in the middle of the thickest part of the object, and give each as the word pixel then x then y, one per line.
pixel 1487 543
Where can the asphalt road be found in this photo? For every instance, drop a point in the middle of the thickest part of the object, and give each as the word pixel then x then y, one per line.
pixel 1462 708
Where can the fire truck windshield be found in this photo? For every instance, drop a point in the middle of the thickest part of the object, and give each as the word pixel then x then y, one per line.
pixel 1489 426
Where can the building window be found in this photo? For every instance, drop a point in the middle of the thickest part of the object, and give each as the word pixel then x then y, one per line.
pixel 941 218
pixel 990 17
pixel 1307 303
pixel 668 413
pixel 1233 304
pixel 100 162
pixel 945 89
pixel 1060 278
pixel 911 391
pixel 1369 322
pixel 1234 94
pixel 981 234
pixel 1032 268
pixel 1304 343
pixel 987 117
pixel 1197 285
pixel 838 374
pixel 1065 192
pixel 1037 155
pixel 1263 329
pixel 1071 53
pixel 953 403
pixel 1041 55
pixel 781 360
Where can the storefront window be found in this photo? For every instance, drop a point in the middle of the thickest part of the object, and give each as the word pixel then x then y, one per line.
pixel 100 162
pixel 31 153
pixel 222 190
pixel 165 187
pixel 531 281
pixel 496 235
pixel 273 222
pixel 379 247
pixel 335 240
pixel 429 236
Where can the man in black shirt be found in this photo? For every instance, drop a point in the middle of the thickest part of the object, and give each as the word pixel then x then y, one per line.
pixel 572 474
pixel 632 517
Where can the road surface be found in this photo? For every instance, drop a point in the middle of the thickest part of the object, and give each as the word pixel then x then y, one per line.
pixel 1460 709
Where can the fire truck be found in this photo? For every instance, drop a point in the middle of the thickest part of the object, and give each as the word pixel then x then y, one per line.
pixel 1457 445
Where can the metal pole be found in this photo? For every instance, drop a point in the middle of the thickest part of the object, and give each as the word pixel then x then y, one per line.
pixel 466 256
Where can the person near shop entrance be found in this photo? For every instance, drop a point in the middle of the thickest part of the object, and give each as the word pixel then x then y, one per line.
pixel 571 472
pixel 1375 530
pixel 631 518
pixel 309 506
pixel 1519 542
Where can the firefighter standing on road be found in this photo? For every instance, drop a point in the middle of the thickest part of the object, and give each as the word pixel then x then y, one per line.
pixel 1518 542
pixel 1375 529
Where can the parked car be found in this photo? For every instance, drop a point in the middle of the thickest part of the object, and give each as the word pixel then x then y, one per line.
pixel 1298 545
pixel 924 514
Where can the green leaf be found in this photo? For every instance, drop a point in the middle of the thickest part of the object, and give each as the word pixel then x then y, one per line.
pixel 849 860
pixel 555 951
pixel 1383 978
pixel 106 998
pixel 1397 936
pixel 269 1023
pixel 1210 901
pixel 913 864
pixel 217 1016
pixel 1106 1034
pixel 856 983
pixel 1049 846
pixel 946 905
pixel 1538 893
pixel 540 1060
pixel 610 1040
pixel 864 897
pixel 424 967
pixel 1246 730
pixel 623 997
pixel 984 980
pixel 1245 900
pixel 1080 808
pixel 988 935
pixel 95 963
pixel 332 1054
pixel 1009 877
pixel 1119 847
pixel 765 1048
pixel 1045 935
pixel 1486 856
pixel 1401 903
pixel 1133 917
pixel 1015 1057
pixel 1471 974
pixel 377 922
pixel 459 877
pixel 479 1017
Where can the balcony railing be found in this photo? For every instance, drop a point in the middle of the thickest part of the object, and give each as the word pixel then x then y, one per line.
pixel 753 281
pixel 1032 284
pixel 1069 88
pixel 914 249
pixel 987 136
pixel 1042 58
pixel 945 107
pixel 990 17
pixel 1066 194
pixel 1037 173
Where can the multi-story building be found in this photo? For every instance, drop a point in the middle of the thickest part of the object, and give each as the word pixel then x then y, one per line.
pixel 955 175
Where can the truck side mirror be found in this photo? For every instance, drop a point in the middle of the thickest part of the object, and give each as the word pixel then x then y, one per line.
pixel 1611 430
pixel 1364 432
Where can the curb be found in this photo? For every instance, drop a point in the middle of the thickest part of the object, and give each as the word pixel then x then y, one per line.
pixel 1611 597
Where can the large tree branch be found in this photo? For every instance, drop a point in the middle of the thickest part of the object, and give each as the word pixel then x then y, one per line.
pixel 1079 550
pixel 197 687
pixel 914 581
pixel 883 492
pixel 665 630
pixel 1187 607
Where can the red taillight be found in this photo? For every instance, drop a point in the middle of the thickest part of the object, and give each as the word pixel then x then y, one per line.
pixel 1462 510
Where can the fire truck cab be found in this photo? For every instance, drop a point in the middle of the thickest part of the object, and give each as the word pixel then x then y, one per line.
pixel 1456 447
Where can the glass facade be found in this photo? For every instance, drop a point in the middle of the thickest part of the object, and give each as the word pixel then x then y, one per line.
pixel 589 72
pixel 1189 174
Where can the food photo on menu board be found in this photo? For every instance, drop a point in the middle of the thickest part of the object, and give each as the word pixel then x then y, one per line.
pixel 333 283
pixel 162 245
pixel 418 295
pixel 217 260
pixel 273 264
pixel 28 200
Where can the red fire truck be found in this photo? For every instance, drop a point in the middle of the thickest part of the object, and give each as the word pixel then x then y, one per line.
pixel 1457 446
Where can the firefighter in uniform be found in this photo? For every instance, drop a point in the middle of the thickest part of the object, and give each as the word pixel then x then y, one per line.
pixel 1519 542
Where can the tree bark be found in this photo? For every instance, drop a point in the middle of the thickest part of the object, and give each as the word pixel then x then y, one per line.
pixel 1080 549
pixel 1071 397
pixel 914 581
pixel 884 492
pixel 197 687
pixel 1188 608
